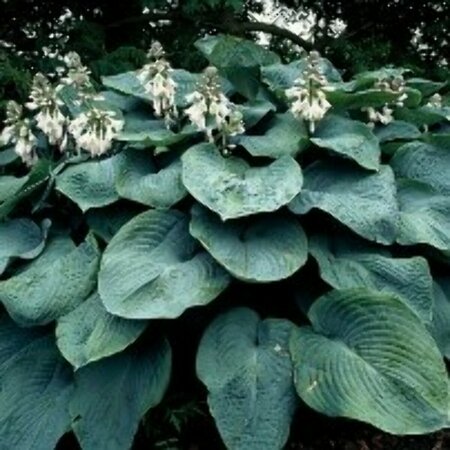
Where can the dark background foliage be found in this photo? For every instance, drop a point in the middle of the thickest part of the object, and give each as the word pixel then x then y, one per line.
pixel 112 37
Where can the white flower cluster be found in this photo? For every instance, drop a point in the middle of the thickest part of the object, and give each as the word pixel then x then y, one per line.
pixel 385 114
pixel 435 101
pixel 49 119
pixel 18 131
pixel 95 130
pixel 211 110
pixel 156 77
pixel 309 100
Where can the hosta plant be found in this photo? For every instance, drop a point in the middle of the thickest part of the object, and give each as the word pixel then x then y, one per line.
pixel 133 216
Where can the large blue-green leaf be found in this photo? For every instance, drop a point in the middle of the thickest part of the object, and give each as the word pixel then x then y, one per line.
pixel 36 386
pixel 21 238
pixel 230 51
pixel 37 177
pixel 53 285
pixel 91 184
pixel 285 135
pixel 152 269
pixel 425 115
pixel 424 162
pixel 233 189
pixel 89 333
pixel 424 215
pixel 262 250
pixel 351 263
pixel 369 357
pixel 365 202
pixel 349 138
pixel 244 362
pixel 397 130
pixel 140 180
pixel 112 395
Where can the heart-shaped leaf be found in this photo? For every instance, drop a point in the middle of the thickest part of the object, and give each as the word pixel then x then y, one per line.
pixel 369 357
pixel 285 136
pixel 112 395
pixel 364 202
pixel 58 281
pixel 36 389
pixel 351 263
pixel 91 184
pixel 244 362
pixel 139 180
pixel 152 269
pixel 89 333
pixel 349 138
pixel 262 250
pixel 233 189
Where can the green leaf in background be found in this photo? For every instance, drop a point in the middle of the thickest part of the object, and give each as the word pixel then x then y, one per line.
pixel 152 269
pixel 53 285
pixel 365 202
pixel 233 189
pixel 368 357
pixel 280 77
pixel 21 238
pixel 342 99
pixel 129 84
pixel 425 163
pixel 349 138
pixel 111 396
pixel 426 87
pixel 422 116
pixel 37 177
pixel 90 184
pixel 244 362
pixel 346 263
pixel 263 250
pixel 89 333
pixel 397 130
pixel 424 215
pixel 230 51
pixel 138 179
pixel 285 136
pixel 36 386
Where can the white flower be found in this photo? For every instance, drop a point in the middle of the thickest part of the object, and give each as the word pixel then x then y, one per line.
pixel 156 77
pixel 18 131
pixel 26 144
pixel 435 101
pixel 51 124
pixel 211 110
pixel 49 119
pixel 337 27
pixel 384 116
pixel 198 110
pixel 309 101
pixel 95 130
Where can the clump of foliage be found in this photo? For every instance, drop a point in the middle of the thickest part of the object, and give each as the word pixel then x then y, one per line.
pixel 173 193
